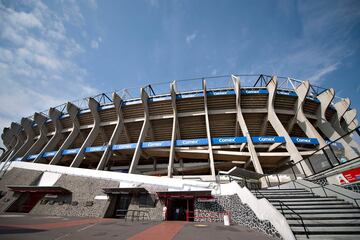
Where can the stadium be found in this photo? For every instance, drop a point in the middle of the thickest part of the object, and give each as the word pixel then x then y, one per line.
pixel 184 143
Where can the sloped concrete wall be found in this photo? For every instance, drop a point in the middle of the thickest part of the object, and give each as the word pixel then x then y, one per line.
pixel 81 202
pixel 15 176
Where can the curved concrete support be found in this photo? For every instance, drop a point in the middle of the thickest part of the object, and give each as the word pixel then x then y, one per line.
pixel 280 129
pixel 72 111
pixel 341 107
pixel 325 99
pixel 241 122
pixel 93 106
pixel 120 127
pixel 208 133
pixel 17 138
pixel 29 132
pixel 39 143
pixel 175 130
pixel 349 117
pixel 354 124
pixel 54 115
pixel 305 125
pixel 144 130
pixel 9 140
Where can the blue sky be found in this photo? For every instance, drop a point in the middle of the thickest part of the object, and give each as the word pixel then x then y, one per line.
pixel 55 51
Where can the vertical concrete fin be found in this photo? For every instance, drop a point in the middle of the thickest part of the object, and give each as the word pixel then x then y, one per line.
pixel 241 122
pixel 325 126
pixel 29 132
pixel 40 120
pixel 54 115
pixel 94 107
pixel 280 129
pixel 349 117
pixel 208 133
pixel 73 111
pixel 341 107
pixel 145 127
pixel 305 125
pixel 174 132
pixel 119 128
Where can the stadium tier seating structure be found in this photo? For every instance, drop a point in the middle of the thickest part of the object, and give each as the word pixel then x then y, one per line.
pixel 254 122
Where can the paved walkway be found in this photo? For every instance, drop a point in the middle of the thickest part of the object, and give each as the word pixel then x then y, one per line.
pixel 30 227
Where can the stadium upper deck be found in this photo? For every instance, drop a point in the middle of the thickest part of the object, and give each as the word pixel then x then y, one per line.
pixel 196 127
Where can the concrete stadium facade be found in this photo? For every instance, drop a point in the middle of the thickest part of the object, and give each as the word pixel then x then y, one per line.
pixel 193 133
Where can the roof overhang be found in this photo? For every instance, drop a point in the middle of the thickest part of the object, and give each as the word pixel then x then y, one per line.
pixel 124 190
pixel 185 194
pixel 39 189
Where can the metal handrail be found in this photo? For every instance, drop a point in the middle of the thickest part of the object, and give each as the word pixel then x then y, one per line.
pixel 282 211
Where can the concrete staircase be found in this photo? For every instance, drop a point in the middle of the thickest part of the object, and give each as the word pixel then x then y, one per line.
pixel 324 217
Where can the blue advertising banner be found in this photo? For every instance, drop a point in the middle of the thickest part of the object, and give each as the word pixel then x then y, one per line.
pixel 106 107
pixel 268 139
pixel 254 91
pixel 228 140
pixel 303 140
pixel 133 102
pixel 158 99
pixel 192 142
pixel 221 92
pixel 31 157
pixel 70 151
pixel 95 149
pixel 49 154
pixel 156 144
pixel 293 94
pixel 189 95
pixel 124 146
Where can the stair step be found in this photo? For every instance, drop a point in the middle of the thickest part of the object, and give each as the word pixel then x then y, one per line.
pixel 328 237
pixel 324 230
pixel 304 199
pixel 333 203
pixel 336 216
pixel 324 206
pixel 288 196
pixel 325 211
pixel 285 194
pixel 350 221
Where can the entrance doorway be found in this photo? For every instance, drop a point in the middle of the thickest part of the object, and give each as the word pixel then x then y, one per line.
pixel 122 205
pixel 180 209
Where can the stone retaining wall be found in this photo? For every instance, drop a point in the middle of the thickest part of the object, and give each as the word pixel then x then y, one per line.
pixel 81 202
pixel 15 176
pixel 240 214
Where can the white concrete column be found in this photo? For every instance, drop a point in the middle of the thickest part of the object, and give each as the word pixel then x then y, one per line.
pixel 143 132
pixel 325 99
pixel 175 131
pixel 54 115
pixel 73 112
pixel 27 126
pixel 305 125
pixel 280 129
pixel 120 127
pixel 241 122
pixel 208 132
pixel 94 107
pixel 39 143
